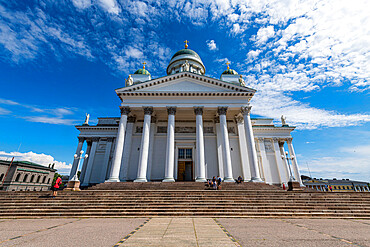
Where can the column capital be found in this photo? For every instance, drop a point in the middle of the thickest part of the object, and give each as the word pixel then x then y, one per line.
pixel 217 120
pixel 95 139
pixel 245 110
pixel 275 139
pixel 289 140
pixel 125 110
pixel 171 110
pixel 81 139
pixel 148 110
pixel 239 119
pixel 110 139
pixel 260 139
pixel 222 110
pixel 198 110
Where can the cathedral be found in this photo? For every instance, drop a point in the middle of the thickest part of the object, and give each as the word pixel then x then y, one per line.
pixel 185 126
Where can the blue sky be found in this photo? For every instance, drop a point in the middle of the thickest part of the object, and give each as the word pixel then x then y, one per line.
pixel 309 60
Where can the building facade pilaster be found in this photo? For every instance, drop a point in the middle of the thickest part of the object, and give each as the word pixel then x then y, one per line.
pixel 200 169
pixel 170 149
pixel 226 145
pixel 243 149
pixel 297 174
pixel 90 162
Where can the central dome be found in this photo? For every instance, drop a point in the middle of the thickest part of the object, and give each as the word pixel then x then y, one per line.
pixel 186 60
pixel 186 51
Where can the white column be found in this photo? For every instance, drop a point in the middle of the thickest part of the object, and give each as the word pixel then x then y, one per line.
pixel 252 154
pixel 201 168
pixel 226 145
pixel 76 161
pixel 104 168
pixel 283 172
pixel 127 149
pixel 297 174
pixel 90 161
pixel 282 154
pixel 151 148
pixel 219 149
pixel 170 150
pixel 120 140
pixel 144 148
pixel 84 164
pixel 266 172
pixel 243 149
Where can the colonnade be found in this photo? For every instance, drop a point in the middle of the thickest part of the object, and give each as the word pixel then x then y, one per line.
pixel 249 158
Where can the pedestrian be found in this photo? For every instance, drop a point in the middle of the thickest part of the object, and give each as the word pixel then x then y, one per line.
pixel 330 188
pixel 239 180
pixel 214 182
pixel 284 186
pixel 326 188
pixel 56 186
pixel 219 180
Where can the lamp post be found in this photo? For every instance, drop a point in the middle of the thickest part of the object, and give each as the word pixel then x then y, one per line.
pixel 293 184
pixel 286 156
pixel 74 183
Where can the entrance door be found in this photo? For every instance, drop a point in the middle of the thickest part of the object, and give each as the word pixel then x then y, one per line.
pixel 185 164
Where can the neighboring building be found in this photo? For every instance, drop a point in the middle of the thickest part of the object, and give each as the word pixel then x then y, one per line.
pixel 25 176
pixel 185 127
pixel 338 185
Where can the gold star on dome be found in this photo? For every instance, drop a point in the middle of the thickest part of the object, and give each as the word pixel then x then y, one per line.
pixel 228 63
pixel 186 44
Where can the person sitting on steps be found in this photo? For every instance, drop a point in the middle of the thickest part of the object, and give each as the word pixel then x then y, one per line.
pixel 239 180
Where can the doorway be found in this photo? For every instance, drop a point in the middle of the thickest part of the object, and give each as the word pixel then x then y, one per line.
pixel 185 164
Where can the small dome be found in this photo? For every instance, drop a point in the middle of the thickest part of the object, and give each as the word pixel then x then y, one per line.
pixel 229 72
pixel 186 52
pixel 142 72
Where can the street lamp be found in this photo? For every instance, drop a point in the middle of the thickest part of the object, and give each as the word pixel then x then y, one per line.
pixel 286 156
pixel 74 183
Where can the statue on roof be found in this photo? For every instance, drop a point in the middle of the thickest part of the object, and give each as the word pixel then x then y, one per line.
pixel 129 81
pixel 241 81
pixel 186 66
pixel 283 120
pixel 87 119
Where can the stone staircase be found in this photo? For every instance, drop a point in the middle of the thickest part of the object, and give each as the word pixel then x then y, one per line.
pixel 185 200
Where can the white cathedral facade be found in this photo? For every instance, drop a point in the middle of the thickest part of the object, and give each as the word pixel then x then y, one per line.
pixel 185 127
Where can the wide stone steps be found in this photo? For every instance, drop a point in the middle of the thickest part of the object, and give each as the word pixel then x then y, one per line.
pixel 193 202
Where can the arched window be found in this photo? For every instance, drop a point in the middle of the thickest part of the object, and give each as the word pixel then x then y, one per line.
pixel 32 178
pixel 25 178
pixel 43 180
pixel 17 177
pixel 38 179
pixel 1 177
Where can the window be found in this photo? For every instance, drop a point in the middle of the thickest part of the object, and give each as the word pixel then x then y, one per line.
pixel 43 180
pixel 18 177
pixel 1 177
pixel 38 179
pixel 25 178
pixel 185 153
pixel 32 178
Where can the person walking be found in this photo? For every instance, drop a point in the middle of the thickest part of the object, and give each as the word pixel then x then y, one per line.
pixel 56 186
pixel 219 180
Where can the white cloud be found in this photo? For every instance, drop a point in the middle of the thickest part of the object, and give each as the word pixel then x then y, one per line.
pixel 110 6
pixel 4 111
pixel 350 162
pixel 212 45
pixel 41 159
pixel 82 4
pixel 264 34
pixel 51 120
pixel 133 52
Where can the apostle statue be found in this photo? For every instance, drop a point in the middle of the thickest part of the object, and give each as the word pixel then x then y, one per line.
pixel 283 120
pixel 129 81
pixel 241 81
pixel 186 66
pixel 87 119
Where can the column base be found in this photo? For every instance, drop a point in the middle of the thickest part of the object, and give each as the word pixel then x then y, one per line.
pixel 166 180
pixel 73 185
pixel 140 180
pixel 229 180
pixel 200 180
pixel 112 180
pixel 256 180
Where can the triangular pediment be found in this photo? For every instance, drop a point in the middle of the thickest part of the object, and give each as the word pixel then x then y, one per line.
pixel 185 82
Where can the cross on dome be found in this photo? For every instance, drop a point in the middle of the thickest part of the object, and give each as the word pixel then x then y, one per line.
pixel 186 44
pixel 144 65
pixel 228 63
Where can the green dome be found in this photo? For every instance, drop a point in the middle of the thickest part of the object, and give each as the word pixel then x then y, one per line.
pixel 186 52
pixel 142 72
pixel 229 72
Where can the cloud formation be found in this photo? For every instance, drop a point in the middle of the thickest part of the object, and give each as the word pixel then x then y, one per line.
pixel 212 45
pixel 41 159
